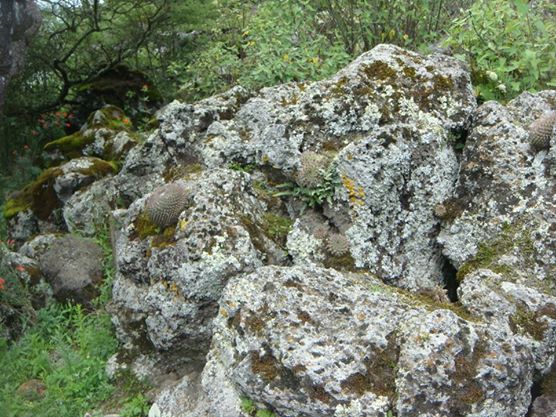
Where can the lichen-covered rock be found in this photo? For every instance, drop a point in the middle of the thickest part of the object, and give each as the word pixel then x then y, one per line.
pixel 74 268
pixel 169 281
pixel 502 214
pixel 38 207
pixel 307 341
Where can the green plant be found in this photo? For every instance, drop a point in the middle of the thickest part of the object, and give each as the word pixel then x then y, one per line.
pixel 509 45
pixel 67 350
pixel 137 406
pixel 312 196
pixel 248 406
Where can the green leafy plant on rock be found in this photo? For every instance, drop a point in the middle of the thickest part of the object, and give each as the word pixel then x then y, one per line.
pixel 249 407
pixel 314 184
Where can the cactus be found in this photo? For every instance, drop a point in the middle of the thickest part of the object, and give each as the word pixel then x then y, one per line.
pixel 542 130
pixel 312 167
pixel 337 244
pixel 166 203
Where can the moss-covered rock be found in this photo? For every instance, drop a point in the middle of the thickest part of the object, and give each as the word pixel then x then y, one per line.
pixel 55 185
pixel 106 134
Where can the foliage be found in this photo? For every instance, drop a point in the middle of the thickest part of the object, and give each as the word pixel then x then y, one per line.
pixel 262 43
pixel 313 196
pixel 509 44
pixel 67 351
pixel 248 406
pixel 137 406
pixel 16 311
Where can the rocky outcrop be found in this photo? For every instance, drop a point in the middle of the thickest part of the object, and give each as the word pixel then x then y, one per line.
pixel 313 230
pixel 19 21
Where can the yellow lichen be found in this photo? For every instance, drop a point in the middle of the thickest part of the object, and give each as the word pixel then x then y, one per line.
pixel 356 193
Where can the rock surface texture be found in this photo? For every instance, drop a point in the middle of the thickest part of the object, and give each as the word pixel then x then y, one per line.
pixel 286 252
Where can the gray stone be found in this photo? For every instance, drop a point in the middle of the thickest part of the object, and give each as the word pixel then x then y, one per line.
pixel 73 266
pixel 168 283
pixel 307 341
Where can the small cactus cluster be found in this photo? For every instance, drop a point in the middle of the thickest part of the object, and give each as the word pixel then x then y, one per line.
pixel 542 130
pixel 166 203
pixel 337 244
pixel 312 167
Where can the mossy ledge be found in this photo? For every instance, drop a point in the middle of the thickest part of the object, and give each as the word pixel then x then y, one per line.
pixel 71 146
pixel 40 196
pixel 512 238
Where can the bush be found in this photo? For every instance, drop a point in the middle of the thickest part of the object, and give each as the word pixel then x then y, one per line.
pixel 509 45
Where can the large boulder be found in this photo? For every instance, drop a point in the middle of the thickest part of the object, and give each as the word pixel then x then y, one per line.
pixel 502 213
pixel 307 341
pixel 169 280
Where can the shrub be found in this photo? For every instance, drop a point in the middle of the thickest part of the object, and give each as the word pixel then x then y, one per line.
pixel 509 45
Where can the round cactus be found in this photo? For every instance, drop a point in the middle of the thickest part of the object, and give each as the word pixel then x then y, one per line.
pixel 311 169
pixel 321 231
pixel 542 130
pixel 166 203
pixel 337 244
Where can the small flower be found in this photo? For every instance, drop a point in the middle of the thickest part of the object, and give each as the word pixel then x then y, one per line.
pixel 145 87
pixel 125 121
pixel 68 124
pixel 492 75
pixel 34 133
pixel 26 147
pixel 2 282
pixel 20 268
pixel 10 242
pixel 501 87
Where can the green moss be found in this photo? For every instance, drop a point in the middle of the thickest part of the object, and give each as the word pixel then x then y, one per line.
pixel 380 374
pixel 40 196
pixel 277 227
pixel 70 146
pixel 527 321
pixel 469 390
pixel 380 70
pixel 425 300
pixel 164 239
pixel 548 383
pixel 409 72
pixel 109 117
pixel 442 82
pixel 341 263
pixel 248 406
pixel 144 227
pixel 184 171
pixel 511 239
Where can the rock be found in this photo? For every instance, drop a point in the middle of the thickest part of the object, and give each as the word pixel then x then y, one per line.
pixel 38 207
pixel 73 266
pixel 502 214
pixel 19 21
pixel 307 341
pixel 168 282
pixel 32 390
pixel 106 134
